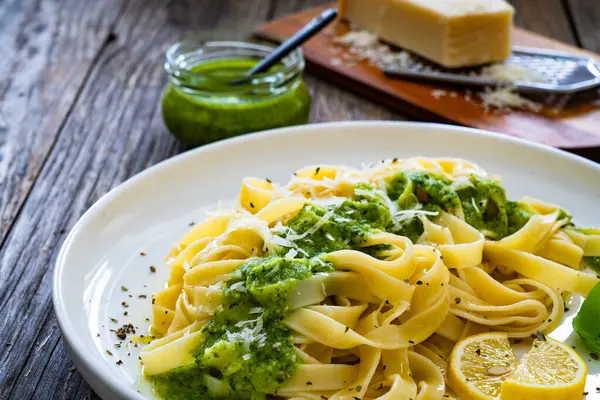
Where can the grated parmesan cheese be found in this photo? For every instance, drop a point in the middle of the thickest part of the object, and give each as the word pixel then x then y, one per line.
pixel 291 253
pixel 279 228
pixel 511 73
pixel 461 182
pixel 278 240
pixel 475 205
pixel 358 39
pixel 248 335
pixel 321 262
pixel 239 286
pixel 408 215
pixel 365 45
pixel 438 93
pixel 248 322
pixel 273 270
pixel 322 221
pixel 506 98
pixel 214 288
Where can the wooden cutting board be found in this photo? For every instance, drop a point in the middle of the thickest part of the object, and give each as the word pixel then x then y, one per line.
pixel 575 127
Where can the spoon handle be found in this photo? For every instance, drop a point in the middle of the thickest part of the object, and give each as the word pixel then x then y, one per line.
pixel 310 29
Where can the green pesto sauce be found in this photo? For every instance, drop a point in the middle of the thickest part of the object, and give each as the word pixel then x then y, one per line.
pixel 349 226
pixel 483 203
pixel 518 216
pixel 212 111
pixel 485 206
pixel 256 300
pixel 593 263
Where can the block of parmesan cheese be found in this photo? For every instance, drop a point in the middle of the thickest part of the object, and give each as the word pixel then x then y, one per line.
pixel 452 33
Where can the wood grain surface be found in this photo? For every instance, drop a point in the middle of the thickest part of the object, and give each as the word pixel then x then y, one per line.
pixel 79 90
pixel 564 123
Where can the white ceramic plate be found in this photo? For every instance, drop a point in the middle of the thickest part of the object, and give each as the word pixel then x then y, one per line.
pixel 150 212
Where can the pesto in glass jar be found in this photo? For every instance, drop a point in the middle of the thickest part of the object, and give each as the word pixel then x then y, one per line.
pixel 208 97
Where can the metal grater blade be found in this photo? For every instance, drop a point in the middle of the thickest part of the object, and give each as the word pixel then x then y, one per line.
pixel 563 73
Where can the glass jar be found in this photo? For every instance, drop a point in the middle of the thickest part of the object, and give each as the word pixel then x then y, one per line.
pixel 209 98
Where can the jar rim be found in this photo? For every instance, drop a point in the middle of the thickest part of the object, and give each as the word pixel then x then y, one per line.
pixel 202 48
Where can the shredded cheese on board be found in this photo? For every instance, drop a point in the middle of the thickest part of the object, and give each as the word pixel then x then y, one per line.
pixel 365 45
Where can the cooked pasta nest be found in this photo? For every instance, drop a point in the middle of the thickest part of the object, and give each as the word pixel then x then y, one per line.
pixel 381 322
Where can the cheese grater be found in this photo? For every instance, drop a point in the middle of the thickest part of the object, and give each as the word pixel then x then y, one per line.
pixel 555 72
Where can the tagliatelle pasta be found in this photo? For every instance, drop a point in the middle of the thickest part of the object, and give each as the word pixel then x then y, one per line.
pixel 356 283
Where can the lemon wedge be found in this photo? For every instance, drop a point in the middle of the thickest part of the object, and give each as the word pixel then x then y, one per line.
pixel 550 370
pixel 479 365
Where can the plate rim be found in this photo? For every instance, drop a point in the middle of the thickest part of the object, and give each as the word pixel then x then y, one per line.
pixel 94 374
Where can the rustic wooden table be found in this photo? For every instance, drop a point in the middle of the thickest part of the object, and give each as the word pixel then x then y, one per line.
pixel 80 86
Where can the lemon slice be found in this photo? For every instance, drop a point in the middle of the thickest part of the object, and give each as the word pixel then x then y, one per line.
pixel 550 370
pixel 479 365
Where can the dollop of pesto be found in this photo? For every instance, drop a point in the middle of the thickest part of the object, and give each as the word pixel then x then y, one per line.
pixel 482 200
pixel 247 352
pixel 348 226
pixel 420 191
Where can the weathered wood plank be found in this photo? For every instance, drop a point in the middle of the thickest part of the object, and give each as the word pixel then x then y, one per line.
pixel 114 131
pixel 546 17
pixel 586 15
pixel 47 50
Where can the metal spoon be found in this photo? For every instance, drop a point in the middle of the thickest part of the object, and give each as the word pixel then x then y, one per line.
pixel 308 31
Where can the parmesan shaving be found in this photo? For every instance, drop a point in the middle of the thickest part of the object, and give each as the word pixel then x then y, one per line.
pixel 408 215
pixel 248 322
pixel 364 45
pixel 506 98
pixel 239 286
pixel 438 93
pixel 322 221
pixel 475 205
pixel 278 240
pixel 214 288
pixel 461 182
pixel 512 73
pixel 279 228
pixel 273 270
pixel 248 335
pixel 292 253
